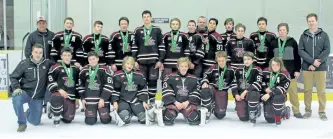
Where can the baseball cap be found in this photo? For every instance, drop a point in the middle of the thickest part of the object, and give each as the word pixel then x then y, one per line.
pixel 41 18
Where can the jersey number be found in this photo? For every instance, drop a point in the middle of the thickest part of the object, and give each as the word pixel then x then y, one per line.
pixel 110 80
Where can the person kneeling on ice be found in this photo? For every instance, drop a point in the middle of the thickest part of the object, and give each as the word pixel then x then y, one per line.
pixel 63 80
pixel 247 89
pixel 215 84
pixel 131 93
pixel 95 89
pixel 276 81
pixel 181 95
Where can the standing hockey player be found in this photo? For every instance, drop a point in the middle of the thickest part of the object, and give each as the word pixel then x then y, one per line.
pixel 247 91
pixel 263 40
pixel 121 44
pixel 96 42
pixel 95 89
pixel 276 81
pixel 67 38
pixel 236 47
pixel 212 44
pixel 229 34
pixel 131 96
pixel 176 46
pixel 181 95
pixel 286 48
pixel 196 49
pixel 63 81
pixel 149 53
pixel 215 84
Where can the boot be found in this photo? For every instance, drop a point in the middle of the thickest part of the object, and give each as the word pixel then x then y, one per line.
pixel 21 128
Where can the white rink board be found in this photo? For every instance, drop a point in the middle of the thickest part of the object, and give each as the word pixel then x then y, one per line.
pixel 229 127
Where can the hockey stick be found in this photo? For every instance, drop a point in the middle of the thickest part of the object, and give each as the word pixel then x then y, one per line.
pixel 159 114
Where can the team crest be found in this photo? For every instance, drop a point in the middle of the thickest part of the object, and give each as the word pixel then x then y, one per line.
pixel 94 85
pixel 182 91
pixel 132 87
pixel 219 39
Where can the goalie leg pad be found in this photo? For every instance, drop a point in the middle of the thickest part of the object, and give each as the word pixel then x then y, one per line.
pixel 69 110
pixel 139 111
pixel 91 114
pixel 124 112
pixel 278 104
pixel 170 114
pixel 104 114
pixel 192 115
pixel 221 103
pixel 241 108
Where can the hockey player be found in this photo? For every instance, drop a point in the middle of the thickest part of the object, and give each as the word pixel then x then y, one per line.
pixel 131 94
pixel 263 40
pixel 95 89
pixel 181 95
pixel 215 84
pixel 176 46
pixel 196 49
pixel 276 81
pixel 236 47
pixel 67 38
pixel 247 91
pixel 212 44
pixel 229 34
pixel 286 48
pixel 63 81
pixel 149 53
pixel 96 42
pixel 121 43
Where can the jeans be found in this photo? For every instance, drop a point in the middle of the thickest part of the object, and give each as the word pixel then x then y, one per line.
pixel 33 114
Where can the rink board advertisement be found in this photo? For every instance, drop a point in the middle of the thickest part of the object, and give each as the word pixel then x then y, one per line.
pixel 3 76
pixel 329 78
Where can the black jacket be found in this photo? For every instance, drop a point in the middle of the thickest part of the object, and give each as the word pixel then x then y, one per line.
pixel 211 77
pixel 177 87
pixel 253 83
pixel 215 44
pixel 291 58
pixel 314 46
pixel 280 86
pixel 116 52
pixel 89 45
pixel 182 49
pixel 196 47
pixel 236 49
pixel 43 38
pixel 31 77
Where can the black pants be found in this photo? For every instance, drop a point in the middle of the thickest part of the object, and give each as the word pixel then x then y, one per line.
pixel 62 106
pixel 151 74
pixel 91 113
pixel 127 110
pixel 273 107
pixel 249 104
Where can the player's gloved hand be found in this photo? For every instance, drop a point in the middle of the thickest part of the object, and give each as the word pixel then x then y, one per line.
pixel 238 98
pixel 179 105
pixel 101 103
pixel 205 85
pixel 268 90
pixel 17 92
pixel 145 105
pixel 115 106
pixel 265 97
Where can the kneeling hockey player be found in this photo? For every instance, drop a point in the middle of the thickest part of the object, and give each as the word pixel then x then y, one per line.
pixel 276 81
pixel 247 90
pixel 131 93
pixel 95 89
pixel 181 95
pixel 63 79
pixel 215 84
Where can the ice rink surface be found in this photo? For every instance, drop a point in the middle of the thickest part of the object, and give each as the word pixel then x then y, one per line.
pixel 229 127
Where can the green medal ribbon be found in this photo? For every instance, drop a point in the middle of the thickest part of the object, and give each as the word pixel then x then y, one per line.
pixel 281 47
pixel 69 72
pixel 147 34
pixel 129 77
pixel 221 77
pixel 97 43
pixel 245 76
pixel 272 79
pixel 125 41
pixel 262 39
pixel 67 38
pixel 174 41
pixel 92 75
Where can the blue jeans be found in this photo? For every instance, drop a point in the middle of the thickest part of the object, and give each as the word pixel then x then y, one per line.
pixel 33 114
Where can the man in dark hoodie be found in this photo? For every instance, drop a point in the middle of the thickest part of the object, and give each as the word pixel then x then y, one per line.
pixel 41 36
pixel 314 49
pixel 286 48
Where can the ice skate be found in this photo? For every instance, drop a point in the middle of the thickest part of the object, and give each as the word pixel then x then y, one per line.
pixel 253 117
pixel 286 113
pixel 56 121
pixel 204 114
pixel 277 120
pixel 150 114
pixel 48 110
pixel 258 113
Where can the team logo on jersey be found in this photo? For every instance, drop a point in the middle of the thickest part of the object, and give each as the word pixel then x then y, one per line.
pixel 244 85
pixel 67 84
pixel 151 41
pixel 239 52
pixel 182 90
pixel 132 87
pixel 219 39
pixel 94 85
